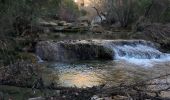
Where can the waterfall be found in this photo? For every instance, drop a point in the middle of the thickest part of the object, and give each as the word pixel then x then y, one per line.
pixel 138 52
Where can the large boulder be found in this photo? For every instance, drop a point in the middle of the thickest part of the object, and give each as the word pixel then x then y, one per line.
pixel 73 50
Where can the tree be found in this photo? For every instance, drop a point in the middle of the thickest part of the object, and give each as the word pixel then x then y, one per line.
pixel 117 10
pixel 16 16
pixel 124 11
pixel 158 9
pixel 127 12
pixel 68 10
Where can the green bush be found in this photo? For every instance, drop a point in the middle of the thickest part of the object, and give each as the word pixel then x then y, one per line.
pixel 17 16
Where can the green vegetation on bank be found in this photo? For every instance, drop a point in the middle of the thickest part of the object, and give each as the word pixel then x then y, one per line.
pixel 23 23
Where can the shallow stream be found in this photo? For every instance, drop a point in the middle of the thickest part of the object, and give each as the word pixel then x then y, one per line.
pixel 132 61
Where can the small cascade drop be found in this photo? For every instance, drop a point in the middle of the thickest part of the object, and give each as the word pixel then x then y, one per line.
pixel 140 53
pixel 137 51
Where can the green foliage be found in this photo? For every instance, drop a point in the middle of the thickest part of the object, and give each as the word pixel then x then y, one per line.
pixel 143 4
pixel 18 93
pixel 17 15
pixel 124 11
pixel 69 4
pixel 127 12
pixel 166 16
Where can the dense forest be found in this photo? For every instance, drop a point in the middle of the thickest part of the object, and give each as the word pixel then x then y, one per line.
pixel 84 49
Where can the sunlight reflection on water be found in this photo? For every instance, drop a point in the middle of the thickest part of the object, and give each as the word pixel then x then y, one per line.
pixel 91 74
pixel 78 79
pixel 79 75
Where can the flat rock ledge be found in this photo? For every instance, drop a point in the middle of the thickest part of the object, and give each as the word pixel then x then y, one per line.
pixel 72 50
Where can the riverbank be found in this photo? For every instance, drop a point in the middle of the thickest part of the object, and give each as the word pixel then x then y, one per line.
pixel 25 71
pixel 124 79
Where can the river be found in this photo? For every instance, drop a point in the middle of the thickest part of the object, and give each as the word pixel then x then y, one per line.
pixel 132 61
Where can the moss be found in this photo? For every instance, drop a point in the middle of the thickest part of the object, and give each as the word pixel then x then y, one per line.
pixel 11 51
pixel 16 93
pixel 27 57
pixel 8 56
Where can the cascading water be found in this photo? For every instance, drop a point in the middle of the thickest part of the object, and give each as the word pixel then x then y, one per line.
pixel 120 57
pixel 139 53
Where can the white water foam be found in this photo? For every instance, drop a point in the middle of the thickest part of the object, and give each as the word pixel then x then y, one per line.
pixel 139 54
pixel 39 60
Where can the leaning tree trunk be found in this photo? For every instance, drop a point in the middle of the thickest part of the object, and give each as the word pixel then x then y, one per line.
pixel 98 13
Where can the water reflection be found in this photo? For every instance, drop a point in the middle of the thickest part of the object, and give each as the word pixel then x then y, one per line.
pixel 89 74
pixel 80 75
pixel 79 79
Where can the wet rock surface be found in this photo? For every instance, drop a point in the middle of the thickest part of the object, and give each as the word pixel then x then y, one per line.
pixel 73 50
pixel 70 50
